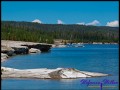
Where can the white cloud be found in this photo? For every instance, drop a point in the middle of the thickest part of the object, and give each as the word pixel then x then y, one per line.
pixel 81 23
pixel 113 23
pixel 37 21
pixel 59 22
pixel 95 22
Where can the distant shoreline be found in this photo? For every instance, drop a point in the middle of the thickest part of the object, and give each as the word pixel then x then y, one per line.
pixel 99 43
pixel 8 45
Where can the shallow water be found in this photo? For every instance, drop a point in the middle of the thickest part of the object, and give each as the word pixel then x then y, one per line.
pixel 94 58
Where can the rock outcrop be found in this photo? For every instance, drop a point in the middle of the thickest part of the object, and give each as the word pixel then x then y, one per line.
pixel 41 47
pixel 44 73
pixel 20 47
pixel 73 73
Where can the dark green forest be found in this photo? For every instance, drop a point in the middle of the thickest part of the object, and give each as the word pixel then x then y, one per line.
pixel 46 33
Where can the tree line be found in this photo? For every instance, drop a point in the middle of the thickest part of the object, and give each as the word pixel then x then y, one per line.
pixel 46 33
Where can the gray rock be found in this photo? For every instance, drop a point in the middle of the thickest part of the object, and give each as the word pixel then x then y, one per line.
pixel 20 49
pixel 34 50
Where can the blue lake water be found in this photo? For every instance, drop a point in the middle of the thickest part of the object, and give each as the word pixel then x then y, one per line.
pixel 93 58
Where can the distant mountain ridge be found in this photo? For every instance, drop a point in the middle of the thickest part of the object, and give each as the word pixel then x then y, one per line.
pixel 31 31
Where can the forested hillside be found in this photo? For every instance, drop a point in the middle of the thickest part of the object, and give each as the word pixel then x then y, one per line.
pixel 28 31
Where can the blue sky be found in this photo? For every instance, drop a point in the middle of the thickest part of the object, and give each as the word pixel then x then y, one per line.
pixel 87 12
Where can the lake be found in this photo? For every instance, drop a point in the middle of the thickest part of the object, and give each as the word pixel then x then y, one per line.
pixel 102 58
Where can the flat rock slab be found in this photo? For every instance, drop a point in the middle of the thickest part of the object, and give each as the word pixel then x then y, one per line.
pixel 44 73
pixel 10 43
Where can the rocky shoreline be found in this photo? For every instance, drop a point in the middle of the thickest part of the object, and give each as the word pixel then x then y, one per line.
pixel 11 48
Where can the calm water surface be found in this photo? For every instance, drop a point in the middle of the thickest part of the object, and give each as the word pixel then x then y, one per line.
pixel 93 58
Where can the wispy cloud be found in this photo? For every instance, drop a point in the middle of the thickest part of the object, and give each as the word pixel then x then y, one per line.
pixel 113 23
pixel 60 22
pixel 94 23
pixel 37 21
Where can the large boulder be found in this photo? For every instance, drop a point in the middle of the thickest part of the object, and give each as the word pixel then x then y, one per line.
pixel 34 50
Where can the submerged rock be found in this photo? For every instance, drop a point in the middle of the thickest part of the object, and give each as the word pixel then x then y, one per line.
pixel 59 73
